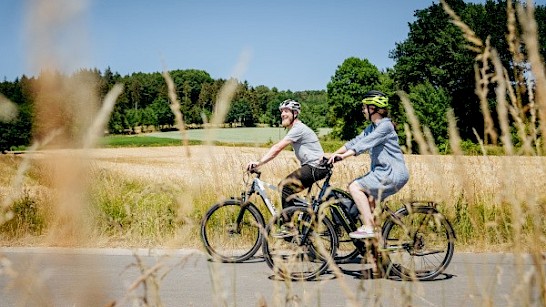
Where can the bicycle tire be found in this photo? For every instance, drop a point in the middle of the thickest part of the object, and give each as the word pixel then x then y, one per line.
pixel 226 242
pixel 291 260
pixel 346 250
pixel 419 243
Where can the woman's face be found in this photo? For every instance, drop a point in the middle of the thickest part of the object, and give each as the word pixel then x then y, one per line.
pixel 367 109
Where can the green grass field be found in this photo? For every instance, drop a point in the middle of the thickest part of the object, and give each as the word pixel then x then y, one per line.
pixel 232 135
pixel 139 141
pixel 259 137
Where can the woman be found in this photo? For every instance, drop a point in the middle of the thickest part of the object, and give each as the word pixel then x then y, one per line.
pixel 388 172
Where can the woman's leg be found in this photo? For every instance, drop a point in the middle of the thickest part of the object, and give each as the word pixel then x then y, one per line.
pixel 364 204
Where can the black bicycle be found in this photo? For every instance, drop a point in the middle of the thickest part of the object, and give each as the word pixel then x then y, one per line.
pixel 417 241
pixel 318 235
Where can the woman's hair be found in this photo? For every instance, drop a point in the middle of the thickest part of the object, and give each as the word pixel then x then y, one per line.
pixel 383 112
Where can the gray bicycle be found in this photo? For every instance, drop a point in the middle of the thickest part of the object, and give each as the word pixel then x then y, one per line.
pixel 233 229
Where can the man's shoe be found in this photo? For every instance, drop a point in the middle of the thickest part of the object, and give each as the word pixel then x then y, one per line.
pixel 285 231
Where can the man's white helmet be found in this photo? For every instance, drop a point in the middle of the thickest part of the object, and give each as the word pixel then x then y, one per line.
pixel 290 104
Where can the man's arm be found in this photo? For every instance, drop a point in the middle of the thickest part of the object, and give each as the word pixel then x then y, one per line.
pixel 274 151
pixel 271 154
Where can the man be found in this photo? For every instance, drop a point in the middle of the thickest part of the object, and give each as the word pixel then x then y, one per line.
pixel 306 147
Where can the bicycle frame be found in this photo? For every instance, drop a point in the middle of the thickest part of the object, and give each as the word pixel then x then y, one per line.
pixel 258 187
pixel 347 221
pixel 316 202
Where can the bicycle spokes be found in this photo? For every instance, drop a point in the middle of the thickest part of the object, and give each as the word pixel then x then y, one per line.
pixel 305 254
pixel 231 231
pixel 419 244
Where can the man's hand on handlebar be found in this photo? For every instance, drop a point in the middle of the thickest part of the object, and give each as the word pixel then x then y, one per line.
pixel 252 166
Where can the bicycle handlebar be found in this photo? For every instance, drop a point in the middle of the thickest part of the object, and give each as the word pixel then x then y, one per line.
pixel 324 162
pixel 254 171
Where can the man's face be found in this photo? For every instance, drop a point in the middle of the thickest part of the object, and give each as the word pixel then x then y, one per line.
pixel 286 117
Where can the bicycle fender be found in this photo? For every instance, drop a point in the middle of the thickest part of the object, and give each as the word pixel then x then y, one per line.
pixel 417 204
pixel 239 199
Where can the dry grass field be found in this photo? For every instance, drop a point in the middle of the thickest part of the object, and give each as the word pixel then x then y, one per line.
pixel 446 179
pixel 155 196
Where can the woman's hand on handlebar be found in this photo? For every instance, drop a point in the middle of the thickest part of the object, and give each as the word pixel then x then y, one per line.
pixel 335 158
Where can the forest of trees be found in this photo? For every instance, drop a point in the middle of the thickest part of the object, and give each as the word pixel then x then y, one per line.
pixel 433 65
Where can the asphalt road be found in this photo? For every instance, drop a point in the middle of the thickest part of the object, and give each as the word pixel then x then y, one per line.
pixel 102 277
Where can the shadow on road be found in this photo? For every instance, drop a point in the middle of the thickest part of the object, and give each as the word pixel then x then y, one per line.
pixel 370 273
pixel 254 259
pixel 356 268
pixel 359 269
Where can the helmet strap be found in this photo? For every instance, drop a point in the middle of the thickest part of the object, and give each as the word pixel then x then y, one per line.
pixel 370 113
pixel 294 116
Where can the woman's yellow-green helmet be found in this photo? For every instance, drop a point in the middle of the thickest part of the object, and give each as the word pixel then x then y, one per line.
pixel 376 98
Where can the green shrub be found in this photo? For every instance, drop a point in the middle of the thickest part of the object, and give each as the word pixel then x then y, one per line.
pixel 127 207
pixel 330 146
pixel 23 217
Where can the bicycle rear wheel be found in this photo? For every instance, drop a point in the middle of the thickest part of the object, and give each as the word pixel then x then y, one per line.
pixel 419 243
pixel 232 232
pixel 293 256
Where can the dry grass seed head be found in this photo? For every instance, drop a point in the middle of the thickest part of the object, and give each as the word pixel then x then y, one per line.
pixel 530 37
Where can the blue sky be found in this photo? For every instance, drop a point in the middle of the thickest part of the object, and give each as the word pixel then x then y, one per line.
pixel 293 44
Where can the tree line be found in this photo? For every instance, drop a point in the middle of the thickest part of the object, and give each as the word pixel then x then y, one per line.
pixel 435 65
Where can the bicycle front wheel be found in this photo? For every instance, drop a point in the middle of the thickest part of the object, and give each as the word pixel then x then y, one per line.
pixel 231 231
pixel 419 242
pixel 347 250
pixel 291 253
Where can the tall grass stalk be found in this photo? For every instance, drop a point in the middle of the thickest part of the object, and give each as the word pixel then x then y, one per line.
pixel 530 37
pixel 415 125
pixel 95 131
pixel 175 108
pixel 522 226
pixel 226 94
pixel 150 197
pixel 8 110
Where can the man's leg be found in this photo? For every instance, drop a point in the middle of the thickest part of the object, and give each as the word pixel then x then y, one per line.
pixel 294 183
pixel 290 186
pixel 299 180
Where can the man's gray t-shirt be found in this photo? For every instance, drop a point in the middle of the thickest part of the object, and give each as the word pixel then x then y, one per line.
pixel 305 143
